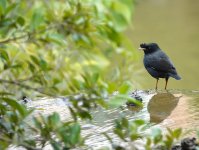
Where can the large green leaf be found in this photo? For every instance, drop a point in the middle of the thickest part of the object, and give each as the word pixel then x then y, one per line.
pixel 75 133
pixel 37 19
pixel 4 55
pixel 15 105
pixel 2 6
pixel 121 99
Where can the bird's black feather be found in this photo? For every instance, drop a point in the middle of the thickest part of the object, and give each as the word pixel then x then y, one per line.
pixel 157 63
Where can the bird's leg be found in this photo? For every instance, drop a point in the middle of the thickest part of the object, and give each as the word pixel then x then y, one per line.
pixel 156 86
pixel 166 83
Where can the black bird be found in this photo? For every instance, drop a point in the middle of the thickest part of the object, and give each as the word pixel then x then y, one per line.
pixel 157 63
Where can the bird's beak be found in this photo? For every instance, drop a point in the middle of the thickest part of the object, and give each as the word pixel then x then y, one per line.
pixel 140 48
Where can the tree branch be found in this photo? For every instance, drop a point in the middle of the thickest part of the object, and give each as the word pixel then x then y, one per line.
pixel 14 39
pixel 39 90
pixel 29 34
pixel 28 78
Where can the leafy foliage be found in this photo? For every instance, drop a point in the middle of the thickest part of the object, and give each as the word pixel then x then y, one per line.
pixel 50 47
pixel 135 130
pixel 126 130
pixel 60 135
pixel 12 122
pixel 45 130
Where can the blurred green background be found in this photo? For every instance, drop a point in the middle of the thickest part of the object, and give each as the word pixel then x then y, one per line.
pixel 174 25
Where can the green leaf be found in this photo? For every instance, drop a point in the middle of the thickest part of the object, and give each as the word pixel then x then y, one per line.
pixel 37 19
pixel 120 21
pixel 5 93
pixel 55 145
pixel 56 38
pixel 31 142
pixel 116 101
pixel 125 122
pixel 113 35
pixel 119 133
pixel 10 8
pixel 4 55
pixel 20 21
pixel 75 133
pixel 15 105
pixel 2 6
pixel 157 135
pixel 95 77
pixel 177 133
pixel 156 132
pixel 37 123
pixel 73 113
pixel 31 67
pixel 121 18
pixel 169 141
pixel 148 143
pixel 134 136
pixel 54 120
pixel 139 122
pixel 35 59
pixel 120 99
pixel 125 88
pixel 127 7
pixel 43 64
pixel 84 114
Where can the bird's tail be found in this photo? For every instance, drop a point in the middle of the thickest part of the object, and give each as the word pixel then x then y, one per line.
pixel 176 76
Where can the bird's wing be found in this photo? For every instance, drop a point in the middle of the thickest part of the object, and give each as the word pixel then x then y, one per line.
pixel 161 63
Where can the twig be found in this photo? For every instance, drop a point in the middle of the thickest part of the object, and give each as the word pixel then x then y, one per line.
pixel 28 78
pixel 29 34
pixel 14 39
pixel 25 86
